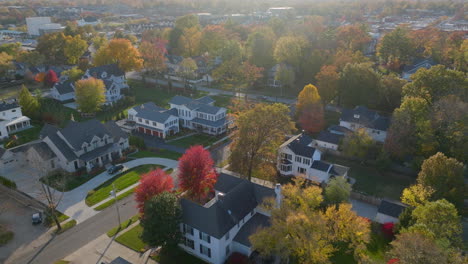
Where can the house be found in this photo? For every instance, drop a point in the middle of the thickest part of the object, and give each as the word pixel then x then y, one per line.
pixel 63 91
pixel 389 211
pixel 362 117
pixel 412 69
pixel 86 144
pixel 89 20
pixel 223 225
pixel 331 138
pixel 298 157
pixel 12 119
pixel 154 120
pixel 200 114
pixel 113 78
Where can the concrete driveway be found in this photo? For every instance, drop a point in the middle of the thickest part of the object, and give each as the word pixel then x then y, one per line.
pixel 73 202
pixel 26 179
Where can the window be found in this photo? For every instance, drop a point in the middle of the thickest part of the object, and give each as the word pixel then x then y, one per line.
pixel 227 250
pixel 139 120
pixel 286 156
pixel 188 229
pixel 14 110
pixel 205 251
pixel 286 167
pixel 306 161
pixel 301 170
pixel 227 235
pixel 147 122
pixel 205 237
pixel 298 159
pixel 154 124
pixel 189 243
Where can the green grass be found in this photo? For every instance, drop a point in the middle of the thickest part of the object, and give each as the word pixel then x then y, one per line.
pixel 71 181
pixel 343 256
pixel 7 182
pixel 371 181
pixel 131 239
pixel 176 255
pixel 120 181
pixel 5 235
pixel 197 139
pixel 123 225
pixel 27 135
pixel 67 226
pixel 161 153
pixel 50 222
pixel 112 201
pixel 222 100
pixel 377 247
pixel 332 118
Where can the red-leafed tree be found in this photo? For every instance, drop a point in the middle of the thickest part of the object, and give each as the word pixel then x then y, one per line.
pixel 151 184
pixel 197 175
pixel 51 78
pixel 387 229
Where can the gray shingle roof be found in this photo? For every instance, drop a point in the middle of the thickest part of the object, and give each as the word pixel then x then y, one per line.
pixel 390 208
pixel 64 87
pixel 217 123
pixel 116 132
pixel 180 100
pixel 332 138
pixel 78 132
pixel 43 150
pixel 320 165
pixel 299 145
pixel 95 153
pixel 152 112
pixel 201 104
pixel 205 100
pixel 335 129
pixel 338 170
pixel 110 69
pixel 7 106
pixel 257 221
pixel 51 132
pixel 368 118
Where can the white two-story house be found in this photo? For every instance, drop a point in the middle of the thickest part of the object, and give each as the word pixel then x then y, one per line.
pixel 222 226
pixel 298 157
pixel 200 114
pixel 12 119
pixel 153 120
pixel 331 138
pixel 86 144
pixel 361 117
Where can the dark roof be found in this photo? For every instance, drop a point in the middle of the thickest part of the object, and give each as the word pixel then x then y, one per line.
pixel 116 132
pixel 391 208
pixel 217 123
pixel 205 100
pixel 338 170
pixel 240 198
pixel 64 87
pixel 152 112
pixel 257 221
pixel 422 63
pixel 7 106
pixel 368 118
pixel 335 129
pixel 208 109
pixel 43 150
pixel 2 151
pixel 332 138
pixel 320 165
pixel 76 133
pixel 90 19
pixel 95 153
pixel 202 104
pixel 300 145
pixel 51 132
pixel 110 69
pixel 180 100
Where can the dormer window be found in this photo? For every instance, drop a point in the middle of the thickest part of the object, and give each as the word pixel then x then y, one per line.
pixel 356 116
pixel 104 75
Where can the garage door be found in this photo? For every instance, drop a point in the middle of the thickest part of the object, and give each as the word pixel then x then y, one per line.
pixel 155 133
pixel 142 130
pixel 148 131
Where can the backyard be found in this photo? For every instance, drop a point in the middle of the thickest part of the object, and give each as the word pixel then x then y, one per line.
pixel 120 181
pixel 197 139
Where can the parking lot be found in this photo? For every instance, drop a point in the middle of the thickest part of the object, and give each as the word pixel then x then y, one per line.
pixel 16 216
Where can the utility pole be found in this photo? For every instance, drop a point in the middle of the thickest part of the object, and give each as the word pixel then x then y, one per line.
pixel 113 193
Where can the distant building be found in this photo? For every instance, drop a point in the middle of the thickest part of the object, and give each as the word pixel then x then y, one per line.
pixel 362 117
pixel 41 25
pixel 153 120
pixel 412 69
pixel 90 20
pixel 281 11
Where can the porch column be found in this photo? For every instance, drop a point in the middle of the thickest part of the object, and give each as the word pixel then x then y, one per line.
pixel 100 161
pixel 88 166
pixel 120 153
pixel 110 156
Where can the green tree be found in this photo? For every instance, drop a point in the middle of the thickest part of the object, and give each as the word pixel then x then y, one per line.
pixel 445 176
pixel 260 45
pixel 390 92
pixel 12 49
pixel 74 74
pixel 29 104
pixel 338 190
pixel 90 95
pixel 213 39
pixel 327 82
pixel 261 131
pixel 358 144
pixel 396 45
pixel 187 68
pixel 189 42
pixel 183 22
pixel 291 50
pixel 52 46
pixel 74 48
pixel 286 76
pixel 358 85
pixel 31 58
pixel 414 248
pixel 161 220
pixel 99 41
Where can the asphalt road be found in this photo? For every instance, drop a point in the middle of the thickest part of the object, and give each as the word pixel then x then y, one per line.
pixel 64 244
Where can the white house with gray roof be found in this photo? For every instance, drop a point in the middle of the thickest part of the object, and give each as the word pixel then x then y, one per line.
pixel 298 157
pixel 12 119
pixel 222 226
pixel 200 114
pixel 86 144
pixel 63 91
pixel 361 117
pixel 153 120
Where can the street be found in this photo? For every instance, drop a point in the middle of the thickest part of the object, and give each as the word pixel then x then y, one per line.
pixel 64 244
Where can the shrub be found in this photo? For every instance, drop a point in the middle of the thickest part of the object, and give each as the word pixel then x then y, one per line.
pixel 8 183
pixel 387 229
pixel 237 258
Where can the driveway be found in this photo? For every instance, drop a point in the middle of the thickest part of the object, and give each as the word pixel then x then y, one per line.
pixel 73 202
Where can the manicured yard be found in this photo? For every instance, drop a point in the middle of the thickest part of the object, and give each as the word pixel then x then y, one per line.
pixel 161 153
pixel 50 222
pixel 371 181
pixel 70 182
pixel 67 226
pixel 112 201
pixel 123 225
pixel 131 239
pixel 120 181
pixel 176 255
pixel 222 100
pixel 27 135
pixel 197 139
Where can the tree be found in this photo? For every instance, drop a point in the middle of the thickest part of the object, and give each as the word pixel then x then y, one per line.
pixel 213 39
pixel 31 58
pixel 396 46
pixel 99 41
pixel 445 176
pixel 251 73
pixel 74 48
pixel 153 54
pixel 358 85
pixel 309 109
pixel 342 57
pixel 187 21
pixel 187 68
pixel 291 50
pixel 5 63
pixel 152 184
pixel 286 76
pixel 390 92
pixel 260 45
pixel 439 218
pixel 437 82
pixel 161 220
pixel 261 131
pixel 197 175
pixel 12 49
pixel 189 41
pixel 414 248
pixel 90 95
pixel 327 82
pixel 52 47
pixel 337 191
pixel 352 37
pixel 416 195
pixel 232 50
pixel 29 104
pixel 50 78
pixel 74 74
pixel 358 144
pixel 119 51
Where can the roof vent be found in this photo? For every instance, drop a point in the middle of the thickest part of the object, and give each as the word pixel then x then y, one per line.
pixel 356 116
pixel 229 212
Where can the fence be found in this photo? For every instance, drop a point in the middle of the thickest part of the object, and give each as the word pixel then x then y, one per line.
pixel 366 198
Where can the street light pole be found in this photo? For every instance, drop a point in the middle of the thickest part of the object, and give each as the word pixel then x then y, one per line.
pixel 114 194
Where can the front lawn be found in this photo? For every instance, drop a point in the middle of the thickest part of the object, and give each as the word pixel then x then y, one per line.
pixel 123 225
pixel 66 226
pixel 112 201
pixel 49 221
pixel 25 136
pixel 371 181
pixel 131 239
pixel 176 255
pixel 120 181
pixel 197 139
pixel 160 153
pixel 222 100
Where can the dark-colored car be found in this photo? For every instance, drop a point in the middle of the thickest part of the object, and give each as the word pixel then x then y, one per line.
pixel 36 218
pixel 115 169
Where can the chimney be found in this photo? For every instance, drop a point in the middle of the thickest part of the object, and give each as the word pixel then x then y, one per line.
pixel 279 197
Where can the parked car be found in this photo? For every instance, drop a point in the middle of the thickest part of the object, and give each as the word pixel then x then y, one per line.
pixel 36 218
pixel 115 169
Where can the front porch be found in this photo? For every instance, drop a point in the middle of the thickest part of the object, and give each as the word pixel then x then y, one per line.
pixel 285 167
pixel 19 124
pixel 100 157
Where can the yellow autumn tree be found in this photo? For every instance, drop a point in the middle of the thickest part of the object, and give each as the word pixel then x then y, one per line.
pixel 309 109
pixel 90 95
pixel 122 52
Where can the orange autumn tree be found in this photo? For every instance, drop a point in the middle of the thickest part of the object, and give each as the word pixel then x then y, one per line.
pixel 309 109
